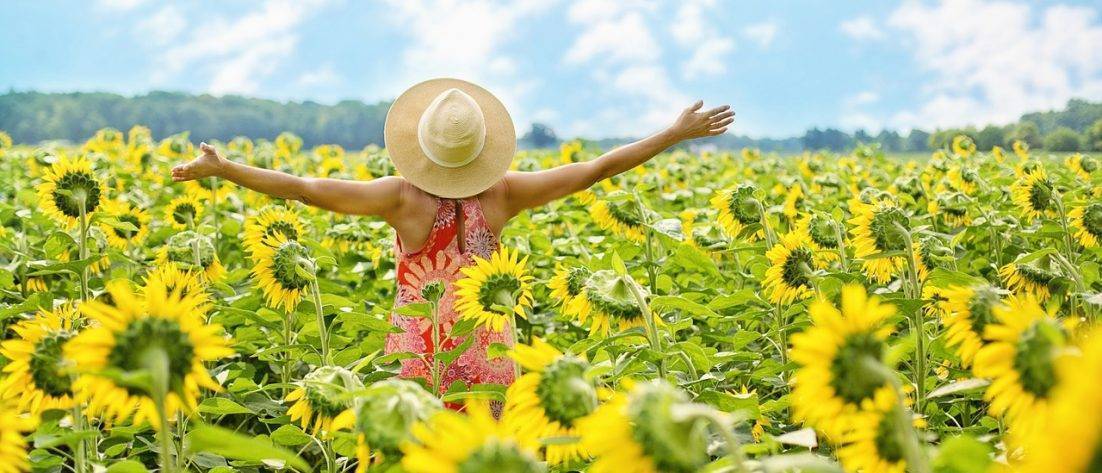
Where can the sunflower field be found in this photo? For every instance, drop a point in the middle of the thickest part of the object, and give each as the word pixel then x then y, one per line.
pixel 713 312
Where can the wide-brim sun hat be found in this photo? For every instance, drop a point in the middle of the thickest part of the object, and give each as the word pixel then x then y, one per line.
pixel 449 137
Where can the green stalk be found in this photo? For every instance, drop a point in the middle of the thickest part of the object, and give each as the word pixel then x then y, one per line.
pixel 157 363
pixel 651 324
pixel 195 244
pixel 906 435
pixel 841 235
pixel 214 211
pixel 652 277
pixel 917 322
pixel 323 329
pixel 436 349
pixel 82 245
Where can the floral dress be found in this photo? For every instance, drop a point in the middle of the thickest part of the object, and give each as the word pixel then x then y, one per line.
pixel 440 260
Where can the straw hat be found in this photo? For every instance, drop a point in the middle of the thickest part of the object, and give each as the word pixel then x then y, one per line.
pixel 449 137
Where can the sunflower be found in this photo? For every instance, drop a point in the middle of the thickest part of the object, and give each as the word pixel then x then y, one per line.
pixel 278 269
pixel 875 231
pixel 953 208
pixel 321 402
pixel 123 238
pixel 963 179
pixel 606 300
pixel 823 233
pixel 1035 277
pixel 792 261
pixel 872 443
pixel 1086 220
pixel 386 412
pixel 269 221
pixel 1033 194
pixel 35 370
pixel 738 209
pixel 551 397
pixel 1082 166
pixel 998 153
pixel 493 290
pixel 177 279
pixel 642 431
pixel 968 311
pixel 688 226
pixel 1025 344
pixel 208 189
pixel 14 425
pixel 451 442
pixel 180 250
pixel 184 212
pixel 1021 148
pixel 67 183
pixel 176 147
pixel 963 146
pixel 833 381
pixel 131 329
pixel 568 287
pixel 1071 441
pixel 619 217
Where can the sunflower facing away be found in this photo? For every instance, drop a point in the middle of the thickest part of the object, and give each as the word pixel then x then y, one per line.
pixel 1071 441
pixel 641 431
pixel 872 444
pixel 568 287
pixel 35 373
pixel 126 331
pixel 123 238
pixel 451 442
pixel 277 266
pixel 551 397
pixel 14 425
pixel 968 311
pixel 833 382
pixel 875 231
pixel 1082 166
pixel 737 210
pixel 619 217
pixel 607 301
pixel 822 231
pixel 1026 343
pixel 1035 277
pixel 493 290
pixel 270 221
pixel 64 185
pixel 792 261
pixel 179 249
pixel 321 405
pixel 1086 220
pixel 184 212
pixel 1034 195
pixel 386 412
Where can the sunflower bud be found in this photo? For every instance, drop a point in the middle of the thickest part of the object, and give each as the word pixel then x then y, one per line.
pixel 565 392
pixel 387 410
pixel 674 441
pixel 180 249
pixel 432 291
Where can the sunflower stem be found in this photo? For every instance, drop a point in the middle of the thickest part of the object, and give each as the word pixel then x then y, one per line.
pixel 323 330
pixel 214 210
pixel 906 435
pixel 917 322
pixel 841 235
pixel 652 277
pixel 652 326
pixel 435 348
pixel 80 457
pixel 157 363
pixel 82 245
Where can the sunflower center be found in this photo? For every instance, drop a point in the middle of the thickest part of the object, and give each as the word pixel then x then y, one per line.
pixel 498 289
pixel 563 391
pixel 282 228
pixel 797 267
pixel 1034 359
pixel 674 445
pixel 1040 195
pixel 78 183
pixel 148 333
pixel 46 364
pixel 883 226
pixel 499 457
pixel 286 264
pixel 887 441
pixel 1088 164
pixel 575 280
pixel 1092 219
pixel 128 218
pixel 850 379
pixel 983 300
pixel 184 213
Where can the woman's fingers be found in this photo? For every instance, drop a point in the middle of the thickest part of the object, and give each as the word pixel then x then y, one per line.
pixel 695 106
pixel 716 111
pixel 722 123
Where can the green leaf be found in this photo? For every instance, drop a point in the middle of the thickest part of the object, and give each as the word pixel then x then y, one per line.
pixel 496 350
pixel 416 309
pixel 802 462
pixel 668 303
pixel 233 445
pixel 618 264
pixel 744 405
pixel 290 436
pixel 127 466
pixel 804 438
pixel 963 454
pixel 449 356
pixel 959 386
pixel 222 406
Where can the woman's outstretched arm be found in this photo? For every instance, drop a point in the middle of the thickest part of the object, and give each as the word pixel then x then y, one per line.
pixel 525 190
pixel 380 197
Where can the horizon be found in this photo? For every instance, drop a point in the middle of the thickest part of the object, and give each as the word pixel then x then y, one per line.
pixel 599 69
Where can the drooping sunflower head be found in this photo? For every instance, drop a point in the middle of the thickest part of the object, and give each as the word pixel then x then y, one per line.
pixel 177 279
pixel 610 302
pixel 386 412
pixel 953 208
pixel 641 430
pixel 130 227
pixel 154 331
pixel 1083 166
pixel 180 249
pixel 36 374
pixel 620 216
pixel 878 228
pixel 1034 195
pixel 269 221
pixel 821 228
pixel 322 402
pixel 184 212
pixel 1086 220
pixel 281 270
pixel 14 426
pixel 67 186
pixel 1026 344
pixel 738 208
pixel 470 443
pixel 963 146
pixel 1021 148
pixel 793 261
pixel 1037 277
pixel 567 283
pixel 964 179
pixel 835 377
pixel 872 442
pixel 551 397
pixel 969 310
pixel 909 184
pixel 493 290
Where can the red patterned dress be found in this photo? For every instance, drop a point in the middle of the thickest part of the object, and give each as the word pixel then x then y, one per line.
pixel 440 260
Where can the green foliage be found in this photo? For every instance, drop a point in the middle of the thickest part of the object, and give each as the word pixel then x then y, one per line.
pixel 1063 139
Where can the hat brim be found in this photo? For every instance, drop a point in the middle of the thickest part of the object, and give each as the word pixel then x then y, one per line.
pixel 400 138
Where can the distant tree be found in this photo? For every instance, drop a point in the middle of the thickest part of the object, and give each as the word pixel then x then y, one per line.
pixel 1026 131
pixel 540 136
pixel 1094 136
pixel 989 137
pixel 828 139
pixel 861 136
pixel 890 140
pixel 917 141
pixel 1063 139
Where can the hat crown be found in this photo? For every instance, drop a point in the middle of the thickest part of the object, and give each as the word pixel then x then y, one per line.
pixel 452 129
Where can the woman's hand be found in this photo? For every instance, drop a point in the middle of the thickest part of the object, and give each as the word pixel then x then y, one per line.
pixel 205 165
pixel 695 124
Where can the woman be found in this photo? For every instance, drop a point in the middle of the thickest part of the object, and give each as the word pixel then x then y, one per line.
pixel 452 142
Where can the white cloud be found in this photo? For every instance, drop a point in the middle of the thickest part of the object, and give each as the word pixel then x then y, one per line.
pixel 855 114
pixel 993 70
pixel 762 33
pixel 322 76
pixel 162 27
pixel 121 5
pixel 708 47
pixel 625 39
pixel 238 54
pixel 861 28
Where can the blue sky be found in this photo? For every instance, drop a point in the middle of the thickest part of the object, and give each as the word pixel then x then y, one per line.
pixel 595 68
